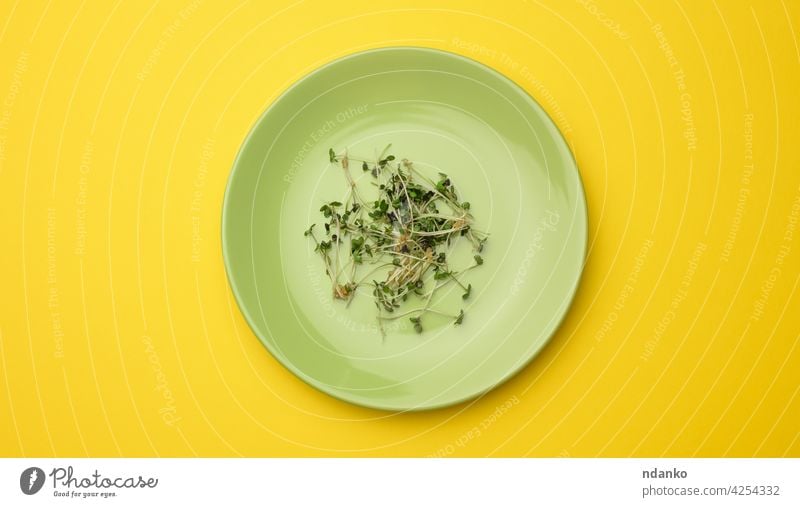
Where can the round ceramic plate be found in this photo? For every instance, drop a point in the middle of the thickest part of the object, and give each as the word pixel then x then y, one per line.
pixel 448 114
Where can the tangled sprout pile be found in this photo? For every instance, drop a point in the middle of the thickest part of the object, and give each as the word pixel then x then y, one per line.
pixel 398 244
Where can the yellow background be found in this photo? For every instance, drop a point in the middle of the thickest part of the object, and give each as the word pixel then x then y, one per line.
pixel 119 122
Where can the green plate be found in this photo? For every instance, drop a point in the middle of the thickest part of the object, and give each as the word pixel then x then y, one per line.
pixel 446 113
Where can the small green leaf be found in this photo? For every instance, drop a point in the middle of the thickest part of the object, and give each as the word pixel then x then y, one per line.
pixel 332 155
pixel 478 260
pixel 460 318
pixel 356 244
pixel 385 151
